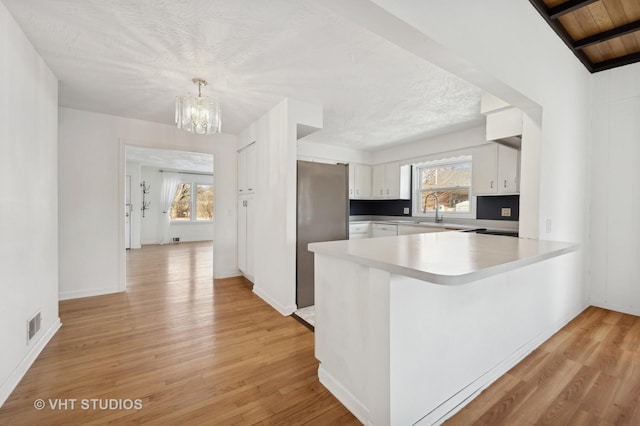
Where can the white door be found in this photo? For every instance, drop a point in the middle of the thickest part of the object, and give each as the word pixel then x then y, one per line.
pixel 127 213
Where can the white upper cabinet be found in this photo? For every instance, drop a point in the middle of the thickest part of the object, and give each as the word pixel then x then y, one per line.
pixel 361 181
pixel 352 180
pixel 247 163
pixel 392 181
pixel 378 181
pixel 495 170
pixel 508 168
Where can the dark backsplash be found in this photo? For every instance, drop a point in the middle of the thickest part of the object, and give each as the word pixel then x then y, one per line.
pixel 379 207
pixel 490 207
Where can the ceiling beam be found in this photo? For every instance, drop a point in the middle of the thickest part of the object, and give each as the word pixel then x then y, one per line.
pixel 567 7
pixel 562 33
pixel 607 35
pixel 617 62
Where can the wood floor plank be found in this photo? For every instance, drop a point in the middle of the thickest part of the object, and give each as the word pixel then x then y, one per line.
pixel 586 374
pixel 193 350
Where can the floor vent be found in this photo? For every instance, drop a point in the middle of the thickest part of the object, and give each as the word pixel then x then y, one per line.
pixel 176 239
pixel 33 326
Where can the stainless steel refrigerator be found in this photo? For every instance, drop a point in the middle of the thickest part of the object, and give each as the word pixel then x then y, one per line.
pixel 323 215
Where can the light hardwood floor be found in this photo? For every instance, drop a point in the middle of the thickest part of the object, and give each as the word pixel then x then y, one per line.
pixel 586 374
pixel 196 352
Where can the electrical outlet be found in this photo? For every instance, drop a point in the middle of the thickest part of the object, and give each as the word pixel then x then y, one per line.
pixel 406 210
pixel 506 212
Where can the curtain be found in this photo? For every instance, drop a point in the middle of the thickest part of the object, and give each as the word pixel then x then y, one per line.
pixel 170 182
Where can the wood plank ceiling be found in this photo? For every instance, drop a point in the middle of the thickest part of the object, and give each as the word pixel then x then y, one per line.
pixel 603 34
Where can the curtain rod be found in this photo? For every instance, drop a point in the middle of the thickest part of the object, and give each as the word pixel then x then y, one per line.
pixel 188 173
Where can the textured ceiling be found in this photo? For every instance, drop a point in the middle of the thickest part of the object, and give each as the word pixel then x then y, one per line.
pixel 132 57
pixel 169 159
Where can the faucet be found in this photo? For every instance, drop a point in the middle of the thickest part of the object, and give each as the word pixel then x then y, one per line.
pixel 424 208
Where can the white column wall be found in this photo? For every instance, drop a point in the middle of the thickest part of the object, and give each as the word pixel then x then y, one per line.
pixel 91 162
pixel 615 192
pixel 28 202
pixel 275 221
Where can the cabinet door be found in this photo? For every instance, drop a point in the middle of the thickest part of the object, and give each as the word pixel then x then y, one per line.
pixel 380 230
pixel 352 181
pixel 378 182
pixel 507 170
pixel 250 242
pixel 242 235
pixel 250 168
pixel 392 181
pixel 242 172
pixel 362 181
pixel 485 169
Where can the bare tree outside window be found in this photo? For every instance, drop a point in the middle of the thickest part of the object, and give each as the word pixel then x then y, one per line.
pixel 450 182
pixel 192 197
pixel 181 207
pixel 204 199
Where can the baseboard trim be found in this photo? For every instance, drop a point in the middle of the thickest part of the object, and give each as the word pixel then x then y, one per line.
pixel 617 308
pixel 67 295
pixel 458 401
pixel 343 395
pixel 228 274
pixel 284 310
pixel 12 381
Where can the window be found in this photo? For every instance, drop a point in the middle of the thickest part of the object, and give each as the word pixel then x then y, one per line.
pixel 192 197
pixel 449 181
pixel 204 200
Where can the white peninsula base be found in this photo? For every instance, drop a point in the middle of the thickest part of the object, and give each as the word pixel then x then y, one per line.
pixel 399 350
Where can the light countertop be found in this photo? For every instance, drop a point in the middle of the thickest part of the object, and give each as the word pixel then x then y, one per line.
pixel 448 258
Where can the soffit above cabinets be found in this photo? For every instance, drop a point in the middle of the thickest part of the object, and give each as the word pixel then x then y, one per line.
pixel 603 34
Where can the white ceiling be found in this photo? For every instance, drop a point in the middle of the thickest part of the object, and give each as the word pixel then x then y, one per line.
pixel 132 58
pixel 169 159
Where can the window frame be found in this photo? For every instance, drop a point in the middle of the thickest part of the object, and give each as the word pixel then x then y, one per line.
pixel 417 190
pixel 193 212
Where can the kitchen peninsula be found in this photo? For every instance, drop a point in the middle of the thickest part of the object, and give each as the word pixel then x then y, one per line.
pixel 408 328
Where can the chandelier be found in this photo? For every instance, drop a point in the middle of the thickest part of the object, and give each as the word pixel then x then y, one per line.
pixel 197 114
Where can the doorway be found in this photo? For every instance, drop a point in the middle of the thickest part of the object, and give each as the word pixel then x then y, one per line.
pixel 169 198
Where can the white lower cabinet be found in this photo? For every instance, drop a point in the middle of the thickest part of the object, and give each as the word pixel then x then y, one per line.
pixel 384 230
pixel 246 232
pixel 359 230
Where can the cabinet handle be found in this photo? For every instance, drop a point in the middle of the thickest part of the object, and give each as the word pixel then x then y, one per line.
pixel 240 190
pixel 251 189
pixel 387 192
pixel 491 184
pixel 505 183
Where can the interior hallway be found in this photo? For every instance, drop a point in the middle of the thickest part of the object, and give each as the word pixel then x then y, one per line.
pixel 195 352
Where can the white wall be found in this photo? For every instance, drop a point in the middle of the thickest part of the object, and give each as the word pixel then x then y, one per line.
pixel 92 258
pixel 192 231
pixel 275 222
pixel 28 202
pixel 615 193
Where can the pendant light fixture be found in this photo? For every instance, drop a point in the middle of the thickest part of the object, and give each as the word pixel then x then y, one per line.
pixel 198 114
